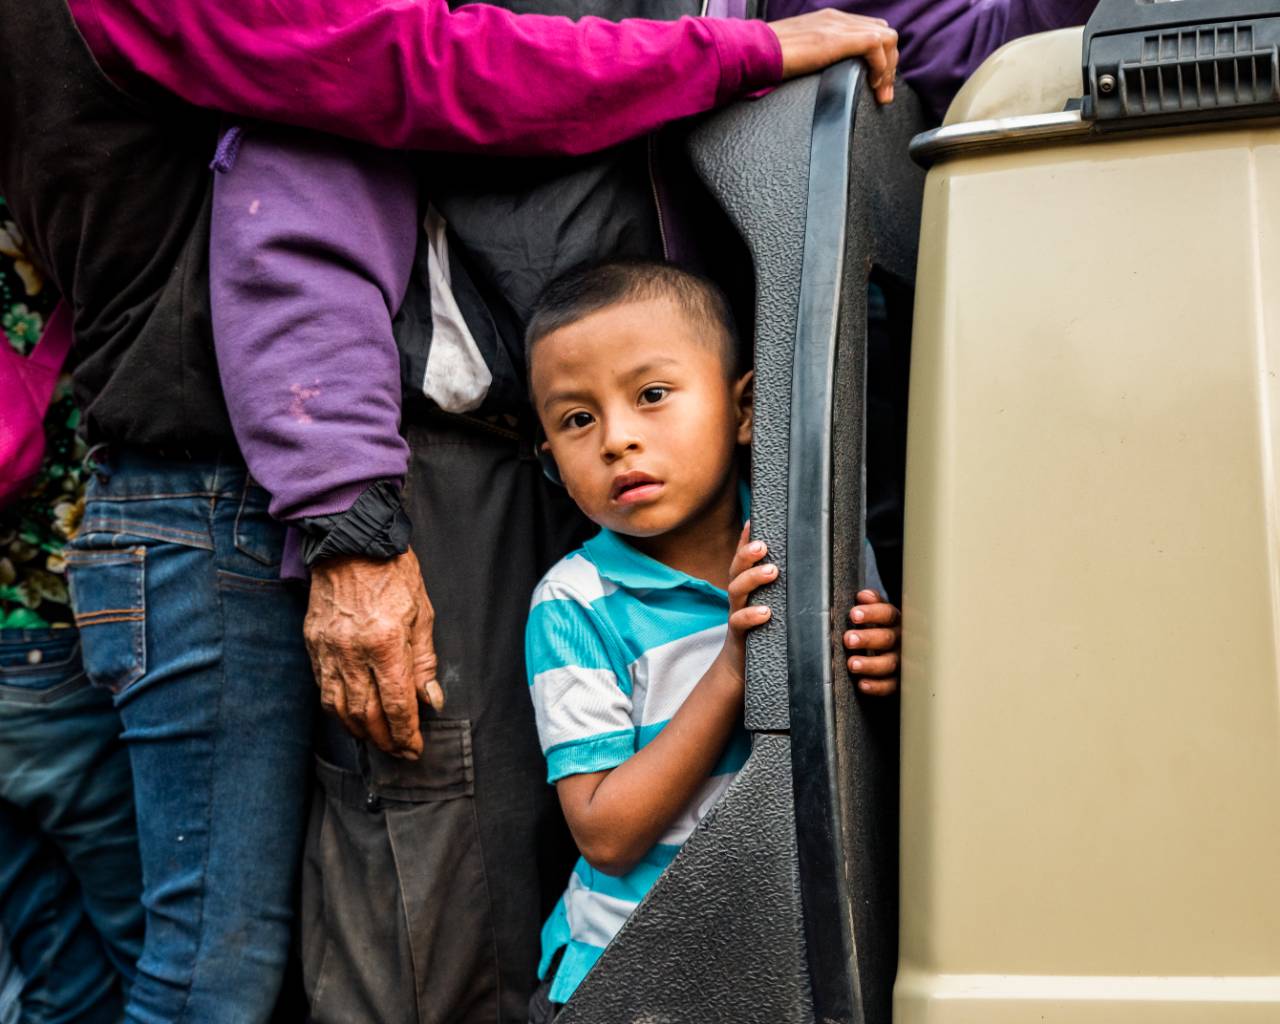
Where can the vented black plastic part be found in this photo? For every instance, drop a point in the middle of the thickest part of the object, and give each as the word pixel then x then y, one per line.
pixel 1150 62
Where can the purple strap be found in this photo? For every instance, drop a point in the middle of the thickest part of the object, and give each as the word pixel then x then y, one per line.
pixel 224 157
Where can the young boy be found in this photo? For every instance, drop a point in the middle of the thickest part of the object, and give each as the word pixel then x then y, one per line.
pixel 636 642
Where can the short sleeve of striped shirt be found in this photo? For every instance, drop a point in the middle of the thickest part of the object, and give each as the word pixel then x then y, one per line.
pixel 581 694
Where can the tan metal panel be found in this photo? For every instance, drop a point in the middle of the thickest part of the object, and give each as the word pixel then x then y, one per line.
pixel 1091 697
pixel 1036 74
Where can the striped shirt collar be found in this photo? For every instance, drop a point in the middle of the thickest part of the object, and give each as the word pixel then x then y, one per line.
pixel 620 563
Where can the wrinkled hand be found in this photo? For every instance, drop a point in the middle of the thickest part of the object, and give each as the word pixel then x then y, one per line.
pixel 745 577
pixel 811 42
pixel 874 639
pixel 369 632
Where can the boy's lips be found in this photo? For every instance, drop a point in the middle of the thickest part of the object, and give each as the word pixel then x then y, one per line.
pixel 630 488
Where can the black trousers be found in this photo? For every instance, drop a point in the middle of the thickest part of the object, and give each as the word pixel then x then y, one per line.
pixel 426 884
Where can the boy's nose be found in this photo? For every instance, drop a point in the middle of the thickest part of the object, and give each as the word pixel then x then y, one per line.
pixel 619 443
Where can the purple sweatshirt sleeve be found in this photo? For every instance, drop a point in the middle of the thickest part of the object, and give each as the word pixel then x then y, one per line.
pixel 412 74
pixel 312 246
pixel 942 42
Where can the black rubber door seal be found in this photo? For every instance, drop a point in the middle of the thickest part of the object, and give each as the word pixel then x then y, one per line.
pixel 828 922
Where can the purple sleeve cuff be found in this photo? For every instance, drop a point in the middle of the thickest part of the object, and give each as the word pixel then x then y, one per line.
pixel 750 56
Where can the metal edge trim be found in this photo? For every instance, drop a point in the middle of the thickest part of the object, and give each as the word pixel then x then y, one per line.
pixel 976 136
pixel 827 917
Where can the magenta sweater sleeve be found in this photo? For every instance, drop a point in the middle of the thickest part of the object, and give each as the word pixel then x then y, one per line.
pixel 312 248
pixel 414 74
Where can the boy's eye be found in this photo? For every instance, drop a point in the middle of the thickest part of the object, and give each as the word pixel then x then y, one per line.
pixel 651 395
pixel 578 420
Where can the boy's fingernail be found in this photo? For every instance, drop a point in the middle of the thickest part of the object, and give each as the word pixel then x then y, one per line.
pixel 859 615
pixel 756 548
pixel 769 570
pixel 855 665
pixel 851 639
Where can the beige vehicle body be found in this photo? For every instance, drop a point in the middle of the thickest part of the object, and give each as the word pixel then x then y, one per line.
pixel 1091 694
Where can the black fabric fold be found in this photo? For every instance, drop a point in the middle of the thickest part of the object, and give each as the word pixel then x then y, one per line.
pixel 376 527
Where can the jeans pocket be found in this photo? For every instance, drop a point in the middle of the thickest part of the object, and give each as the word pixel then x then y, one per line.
pixel 40 667
pixel 108 595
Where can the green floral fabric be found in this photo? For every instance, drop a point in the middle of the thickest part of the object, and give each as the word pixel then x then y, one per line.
pixel 35 528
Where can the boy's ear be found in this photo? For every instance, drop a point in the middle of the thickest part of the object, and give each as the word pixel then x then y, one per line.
pixel 542 451
pixel 744 398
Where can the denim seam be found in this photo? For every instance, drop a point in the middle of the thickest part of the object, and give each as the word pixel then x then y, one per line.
pixel 40 635
pixel 84 622
pixel 111 556
pixel 152 496
pixel 140 634
pixel 208 824
pixel 248 584
pixel 151 531
pixel 10 694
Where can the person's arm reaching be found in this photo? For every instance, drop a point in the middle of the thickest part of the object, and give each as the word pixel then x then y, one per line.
pixel 415 74
pixel 312 245
pixel 942 42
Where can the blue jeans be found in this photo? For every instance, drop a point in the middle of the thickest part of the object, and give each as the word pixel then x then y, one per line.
pixel 175 580
pixel 69 874
pixel 10 985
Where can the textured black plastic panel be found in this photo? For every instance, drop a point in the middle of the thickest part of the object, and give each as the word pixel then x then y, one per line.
pixel 721 936
pixel 718 939
pixel 754 158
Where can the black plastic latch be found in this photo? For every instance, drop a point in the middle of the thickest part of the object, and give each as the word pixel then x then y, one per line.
pixel 1149 62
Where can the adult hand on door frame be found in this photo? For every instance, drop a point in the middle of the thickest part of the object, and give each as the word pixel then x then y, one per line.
pixel 811 42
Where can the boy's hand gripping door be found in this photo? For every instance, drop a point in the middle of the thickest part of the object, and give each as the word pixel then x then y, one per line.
pixel 782 906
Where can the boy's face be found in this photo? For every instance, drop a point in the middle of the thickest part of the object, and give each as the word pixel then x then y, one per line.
pixel 641 415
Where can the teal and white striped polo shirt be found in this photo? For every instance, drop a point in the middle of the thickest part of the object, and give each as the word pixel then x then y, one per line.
pixel 616 641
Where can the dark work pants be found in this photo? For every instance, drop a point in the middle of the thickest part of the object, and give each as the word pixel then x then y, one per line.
pixel 426 884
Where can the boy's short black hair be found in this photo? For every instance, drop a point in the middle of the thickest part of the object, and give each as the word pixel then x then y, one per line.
pixel 577 294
